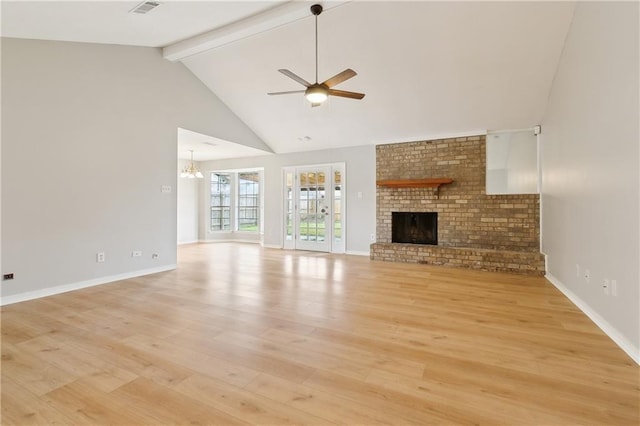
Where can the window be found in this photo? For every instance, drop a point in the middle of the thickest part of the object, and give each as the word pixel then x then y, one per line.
pixel 235 201
pixel 248 201
pixel 220 202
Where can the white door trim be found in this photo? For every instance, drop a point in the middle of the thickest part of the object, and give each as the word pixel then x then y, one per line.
pixel 291 172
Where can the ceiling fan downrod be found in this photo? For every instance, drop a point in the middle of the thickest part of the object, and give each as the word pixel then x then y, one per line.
pixel 316 9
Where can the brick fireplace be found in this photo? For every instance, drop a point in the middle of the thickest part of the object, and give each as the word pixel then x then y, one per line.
pixel 474 230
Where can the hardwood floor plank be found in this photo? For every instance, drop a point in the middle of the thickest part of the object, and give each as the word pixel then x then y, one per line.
pixel 347 354
pixel 327 404
pixel 21 407
pixel 406 408
pixel 195 360
pixel 164 405
pixel 32 373
pixel 463 403
pixel 88 405
pixel 253 359
pixel 292 353
pixel 243 404
pixel 144 363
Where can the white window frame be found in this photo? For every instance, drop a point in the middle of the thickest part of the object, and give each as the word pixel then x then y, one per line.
pixel 234 193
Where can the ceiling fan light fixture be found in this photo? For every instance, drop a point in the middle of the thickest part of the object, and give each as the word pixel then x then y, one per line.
pixel 316 94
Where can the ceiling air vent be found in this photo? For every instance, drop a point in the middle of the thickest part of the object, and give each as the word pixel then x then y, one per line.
pixel 144 7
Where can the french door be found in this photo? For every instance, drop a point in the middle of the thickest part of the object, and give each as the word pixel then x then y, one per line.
pixel 314 208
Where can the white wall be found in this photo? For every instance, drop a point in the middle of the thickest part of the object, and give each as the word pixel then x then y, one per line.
pixel 360 164
pixel 88 138
pixel 590 182
pixel 188 205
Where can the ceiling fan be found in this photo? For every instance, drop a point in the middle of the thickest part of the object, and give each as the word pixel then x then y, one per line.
pixel 317 93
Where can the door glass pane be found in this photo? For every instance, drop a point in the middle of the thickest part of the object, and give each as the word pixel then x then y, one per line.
pixel 313 208
pixel 303 207
pixel 337 206
pixel 322 207
pixel 289 206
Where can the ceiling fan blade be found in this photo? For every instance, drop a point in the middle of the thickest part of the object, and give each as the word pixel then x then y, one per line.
pixel 345 94
pixel 340 77
pixel 291 75
pixel 286 93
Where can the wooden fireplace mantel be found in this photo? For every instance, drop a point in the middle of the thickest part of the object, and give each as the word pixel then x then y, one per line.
pixel 415 183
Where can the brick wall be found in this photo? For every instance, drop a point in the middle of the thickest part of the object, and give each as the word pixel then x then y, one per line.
pixel 467 217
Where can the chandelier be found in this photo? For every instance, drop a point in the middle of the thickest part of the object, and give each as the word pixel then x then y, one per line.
pixel 191 171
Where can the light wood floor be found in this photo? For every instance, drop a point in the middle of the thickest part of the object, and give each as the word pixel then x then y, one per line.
pixel 239 334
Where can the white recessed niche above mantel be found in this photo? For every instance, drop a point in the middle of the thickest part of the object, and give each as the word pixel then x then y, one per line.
pixel 512 162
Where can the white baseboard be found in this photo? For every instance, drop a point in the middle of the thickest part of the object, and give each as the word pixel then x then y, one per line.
pixel 229 241
pixel 358 253
pixel 273 246
pixel 36 294
pixel 620 340
pixel 182 243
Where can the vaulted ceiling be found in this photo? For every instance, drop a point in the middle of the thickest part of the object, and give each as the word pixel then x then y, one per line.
pixel 428 69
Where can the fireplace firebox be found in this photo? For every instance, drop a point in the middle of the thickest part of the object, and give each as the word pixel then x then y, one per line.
pixel 414 228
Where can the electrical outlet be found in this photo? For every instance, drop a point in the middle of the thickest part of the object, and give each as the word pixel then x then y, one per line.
pixel 136 253
pixel 155 256
pixel 7 276
pixel 587 275
pixel 372 237
pixel 614 287
pixel 100 257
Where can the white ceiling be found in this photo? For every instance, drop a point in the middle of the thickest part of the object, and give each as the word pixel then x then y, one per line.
pixel 428 69
pixel 110 21
pixel 207 148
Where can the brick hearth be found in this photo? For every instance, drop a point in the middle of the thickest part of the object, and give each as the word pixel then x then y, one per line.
pixel 475 230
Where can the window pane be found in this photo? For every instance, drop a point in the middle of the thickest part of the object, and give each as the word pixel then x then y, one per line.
pixel 220 202
pixel 248 201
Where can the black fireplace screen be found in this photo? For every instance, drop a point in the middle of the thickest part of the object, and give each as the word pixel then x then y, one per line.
pixel 414 228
